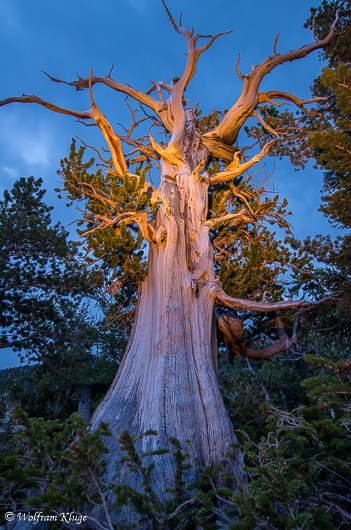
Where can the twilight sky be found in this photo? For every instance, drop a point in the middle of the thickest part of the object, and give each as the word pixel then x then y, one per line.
pixel 66 37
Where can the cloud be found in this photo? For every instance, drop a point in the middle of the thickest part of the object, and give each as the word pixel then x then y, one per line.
pixel 10 171
pixel 35 150
pixel 26 142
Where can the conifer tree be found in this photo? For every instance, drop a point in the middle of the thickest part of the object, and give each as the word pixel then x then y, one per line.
pixel 45 299
pixel 331 146
pixel 38 270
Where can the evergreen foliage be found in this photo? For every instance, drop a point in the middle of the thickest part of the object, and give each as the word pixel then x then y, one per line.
pixel 46 303
pixel 39 272
pixel 249 258
pixel 323 135
pixel 117 247
pixel 298 465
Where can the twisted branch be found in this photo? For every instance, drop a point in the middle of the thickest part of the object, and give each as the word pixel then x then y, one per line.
pixel 233 334
pixel 250 305
pixel 176 98
pixel 267 97
pixel 145 99
pixel 85 115
pixel 227 131
pixel 235 169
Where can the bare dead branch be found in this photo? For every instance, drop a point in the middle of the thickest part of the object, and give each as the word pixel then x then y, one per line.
pixel 146 150
pixel 92 114
pixel 85 115
pixel 108 81
pixel 155 120
pixel 161 84
pixel 275 44
pixel 228 129
pixel 158 87
pixel 211 41
pixel 94 148
pixel 135 123
pixel 87 124
pixel 157 106
pixel 175 27
pixel 235 169
pixel 110 71
pixel 248 305
pixel 274 94
pixel 239 74
pixel 179 87
pixel 264 124
pixel 176 98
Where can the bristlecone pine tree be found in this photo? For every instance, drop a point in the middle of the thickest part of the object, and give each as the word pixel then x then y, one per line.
pixel 167 380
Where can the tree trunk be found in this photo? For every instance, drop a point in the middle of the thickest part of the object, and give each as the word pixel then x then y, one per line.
pixel 84 404
pixel 167 381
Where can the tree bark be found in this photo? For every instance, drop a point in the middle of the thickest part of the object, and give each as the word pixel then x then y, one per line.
pixel 167 381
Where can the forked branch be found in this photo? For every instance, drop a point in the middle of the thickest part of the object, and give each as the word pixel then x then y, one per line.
pixel 227 131
pixel 176 99
pixel 92 114
pixel 157 106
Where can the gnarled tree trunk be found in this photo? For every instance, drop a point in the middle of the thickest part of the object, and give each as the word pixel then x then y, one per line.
pixel 167 381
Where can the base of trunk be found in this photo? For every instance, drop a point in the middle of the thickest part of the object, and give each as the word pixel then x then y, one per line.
pixel 167 383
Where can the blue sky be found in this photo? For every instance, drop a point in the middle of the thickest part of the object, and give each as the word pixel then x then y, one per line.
pixel 66 37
